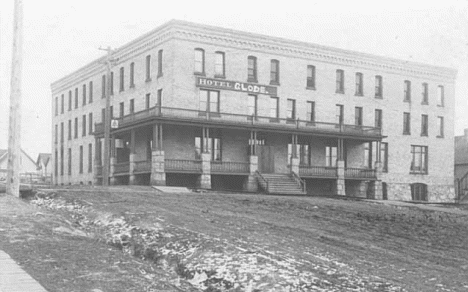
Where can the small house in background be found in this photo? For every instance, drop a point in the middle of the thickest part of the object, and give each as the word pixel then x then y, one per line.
pixel 27 164
pixel 42 163
pixel 461 164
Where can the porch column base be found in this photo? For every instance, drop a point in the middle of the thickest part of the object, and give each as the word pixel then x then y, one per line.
pixel 253 164
pixel 295 165
pixel 340 181
pixel 112 178
pixel 204 181
pixel 158 174
pixel 376 189
pixel 251 184
pixel 131 170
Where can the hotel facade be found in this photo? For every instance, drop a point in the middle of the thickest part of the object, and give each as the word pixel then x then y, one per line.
pixel 201 106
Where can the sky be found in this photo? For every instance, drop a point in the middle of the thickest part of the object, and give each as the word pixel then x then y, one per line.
pixel 61 36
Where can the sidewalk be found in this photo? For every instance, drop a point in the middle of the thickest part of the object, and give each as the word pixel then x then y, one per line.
pixel 454 211
pixel 15 279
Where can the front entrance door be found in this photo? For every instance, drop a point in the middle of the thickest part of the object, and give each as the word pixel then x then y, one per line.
pixel 266 160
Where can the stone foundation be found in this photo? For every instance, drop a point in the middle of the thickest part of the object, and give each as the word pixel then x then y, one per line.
pixel 158 175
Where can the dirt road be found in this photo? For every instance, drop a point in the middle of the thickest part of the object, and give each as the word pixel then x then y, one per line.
pixel 245 242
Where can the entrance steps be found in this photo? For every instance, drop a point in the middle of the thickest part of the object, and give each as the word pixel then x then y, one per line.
pixel 279 184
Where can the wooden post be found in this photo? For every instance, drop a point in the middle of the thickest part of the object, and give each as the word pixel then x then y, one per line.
pixel 14 130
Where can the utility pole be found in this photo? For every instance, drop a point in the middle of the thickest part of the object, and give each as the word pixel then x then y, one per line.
pixel 14 130
pixel 107 118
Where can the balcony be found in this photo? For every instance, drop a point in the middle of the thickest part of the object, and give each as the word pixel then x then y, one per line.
pixel 229 167
pixel 193 117
pixel 360 173
pixel 317 171
pixel 182 165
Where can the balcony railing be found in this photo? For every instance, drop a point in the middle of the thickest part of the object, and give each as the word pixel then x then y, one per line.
pixel 183 165
pixel 142 166
pixel 361 173
pixel 317 171
pixel 122 167
pixel 194 116
pixel 229 167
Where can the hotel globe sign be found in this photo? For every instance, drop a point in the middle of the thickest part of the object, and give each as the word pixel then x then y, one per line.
pixel 236 86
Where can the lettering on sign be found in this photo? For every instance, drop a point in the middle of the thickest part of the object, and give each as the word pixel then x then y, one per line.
pixel 236 86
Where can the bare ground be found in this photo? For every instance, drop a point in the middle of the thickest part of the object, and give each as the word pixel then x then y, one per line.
pixel 136 239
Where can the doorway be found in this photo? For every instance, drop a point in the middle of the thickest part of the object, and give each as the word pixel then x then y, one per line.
pixel 266 160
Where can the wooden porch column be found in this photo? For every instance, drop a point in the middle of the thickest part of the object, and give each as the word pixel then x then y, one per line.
pixel 97 160
pixel 377 185
pixel 204 180
pixel 131 159
pixel 113 160
pixel 158 174
pixel 294 158
pixel 250 184
pixel 340 170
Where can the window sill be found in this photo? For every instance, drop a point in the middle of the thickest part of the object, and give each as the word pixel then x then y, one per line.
pixel 159 75
pixel 132 86
pixel 148 80
pixel 440 137
pixel 406 133
pixel 358 94
pixel 424 135
pixel 440 105
pixel 340 91
pixel 424 103
pixel 274 83
pixel 310 88
pixel 407 100
pixel 379 96
pixel 252 80
pixel 220 76
pixel 199 73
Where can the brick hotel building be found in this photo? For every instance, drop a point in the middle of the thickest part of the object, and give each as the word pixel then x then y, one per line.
pixel 202 106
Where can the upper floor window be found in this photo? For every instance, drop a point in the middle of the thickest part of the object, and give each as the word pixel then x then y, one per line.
pixel 340 81
pixel 83 126
pixel 132 106
pixel 378 118
pixel 339 113
pixel 274 107
pixel 407 91
pixel 199 61
pixel 419 159
pixel 56 106
pixel 70 100
pixel 274 72
pixel 359 84
pixel 148 68
pixel 90 123
pixel 147 100
pixel 90 91
pixel 291 110
pixel 76 97
pixel 160 63
pixel 159 98
pixel 252 69
pixel 358 116
pixel 310 83
pixel 122 79
pixel 378 86
pixel 209 101
pixel 252 105
pixel 311 111
pixel 84 94
pixel 424 125
pixel 121 109
pixel 219 64
pixel 62 105
pixel 112 83
pixel 406 124
pixel 103 85
pixel 440 95
pixel 132 74
pixel 425 94
pixel 440 126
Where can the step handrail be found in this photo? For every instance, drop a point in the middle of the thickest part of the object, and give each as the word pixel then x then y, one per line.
pixel 299 180
pixel 263 179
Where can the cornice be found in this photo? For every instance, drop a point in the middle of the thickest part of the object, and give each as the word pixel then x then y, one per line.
pixel 254 42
